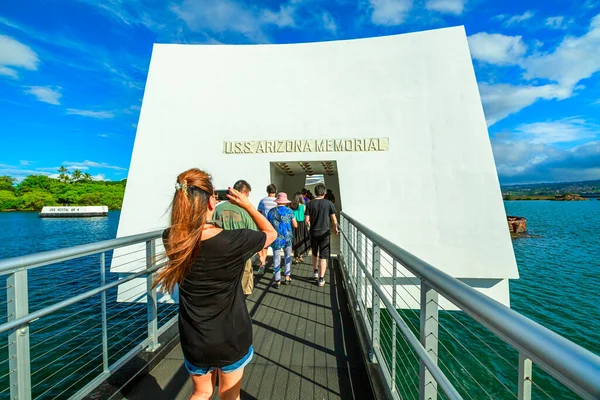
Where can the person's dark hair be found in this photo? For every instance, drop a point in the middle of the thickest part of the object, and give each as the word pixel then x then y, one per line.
pixel 304 191
pixel 188 216
pixel 242 186
pixel 297 200
pixel 272 189
pixel 320 189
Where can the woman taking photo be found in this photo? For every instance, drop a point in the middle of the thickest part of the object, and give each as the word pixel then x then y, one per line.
pixel 301 238
pixel 207 263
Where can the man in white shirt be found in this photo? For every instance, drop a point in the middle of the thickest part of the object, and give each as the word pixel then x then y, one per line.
pixel 264 206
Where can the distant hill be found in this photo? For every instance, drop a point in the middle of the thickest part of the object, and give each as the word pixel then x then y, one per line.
pixel 552 189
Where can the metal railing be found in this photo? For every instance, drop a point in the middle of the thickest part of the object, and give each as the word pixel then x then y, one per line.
pixel 65 332
pixel 430 347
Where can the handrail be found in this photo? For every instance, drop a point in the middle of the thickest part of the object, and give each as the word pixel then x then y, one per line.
pixel 433 368
pixel 55 256
pixel 72 300
pixel 570 363
pixel 19 317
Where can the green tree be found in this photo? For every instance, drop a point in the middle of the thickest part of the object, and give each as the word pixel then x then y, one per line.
pixel 8 200
pixel 76 175
pixel 63 174
pixel 35 200
pixel 87 177
pixel 90 199
pixel 7 183
pixel 33 182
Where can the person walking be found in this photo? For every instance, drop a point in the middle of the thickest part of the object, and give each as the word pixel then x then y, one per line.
pixel 282 219
pixel 319 213
pixel 264 206
pixel 232 217
pixel 330 196
pixel 301 238
pixel 207 263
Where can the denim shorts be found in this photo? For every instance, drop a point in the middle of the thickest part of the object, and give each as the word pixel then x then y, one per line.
pixel 241 363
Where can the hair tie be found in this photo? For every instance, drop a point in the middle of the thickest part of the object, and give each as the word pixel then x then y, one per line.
pixel 183 187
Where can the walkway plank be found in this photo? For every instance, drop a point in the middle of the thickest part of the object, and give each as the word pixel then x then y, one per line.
pixel 304 341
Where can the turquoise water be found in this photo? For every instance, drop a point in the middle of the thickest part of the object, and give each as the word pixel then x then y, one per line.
pixel 559 269
pixel 66 346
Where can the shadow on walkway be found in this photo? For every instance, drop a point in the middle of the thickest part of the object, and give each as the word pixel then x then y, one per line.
pixel 305 346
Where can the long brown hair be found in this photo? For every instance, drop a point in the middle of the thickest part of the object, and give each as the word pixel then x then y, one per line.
pixel 188 216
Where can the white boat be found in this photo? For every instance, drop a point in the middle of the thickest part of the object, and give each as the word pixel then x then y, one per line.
pixel 73 212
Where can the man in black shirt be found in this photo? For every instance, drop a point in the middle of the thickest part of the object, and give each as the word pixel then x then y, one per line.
pixel 319 213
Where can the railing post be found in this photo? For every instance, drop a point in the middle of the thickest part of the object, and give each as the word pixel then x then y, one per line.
pixel 358 247
pixel 343 239
pixel 151 297
pixel 429 339
pixel 104 317
pixel 394 327
pixel 375 302
pixel 525 374
pixel 18 349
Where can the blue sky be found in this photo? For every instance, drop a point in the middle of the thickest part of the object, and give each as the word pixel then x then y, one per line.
pixel 72 73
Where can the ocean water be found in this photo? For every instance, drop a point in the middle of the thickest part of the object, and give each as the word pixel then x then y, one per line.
pixel 559 267
pixel 559 270
pixel 66 346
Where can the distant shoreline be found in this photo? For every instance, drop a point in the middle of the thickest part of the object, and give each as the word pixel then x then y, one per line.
pixel 546 198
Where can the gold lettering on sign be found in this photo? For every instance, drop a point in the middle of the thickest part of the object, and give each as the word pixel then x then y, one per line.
pixel 306 146
pixel 373 145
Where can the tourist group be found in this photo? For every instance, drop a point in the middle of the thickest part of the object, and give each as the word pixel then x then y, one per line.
pixel 209 247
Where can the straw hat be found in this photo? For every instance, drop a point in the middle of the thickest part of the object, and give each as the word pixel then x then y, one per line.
pixel 282 198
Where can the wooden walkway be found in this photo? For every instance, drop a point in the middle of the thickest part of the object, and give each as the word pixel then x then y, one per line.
pixel 304 341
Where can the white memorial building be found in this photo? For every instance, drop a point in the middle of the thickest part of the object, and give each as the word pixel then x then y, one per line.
pixel 395 124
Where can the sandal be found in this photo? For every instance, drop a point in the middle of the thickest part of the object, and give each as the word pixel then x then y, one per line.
pixel 288 281
pixel 276 284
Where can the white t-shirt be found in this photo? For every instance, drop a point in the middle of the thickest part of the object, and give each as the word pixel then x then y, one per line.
pixel 266 205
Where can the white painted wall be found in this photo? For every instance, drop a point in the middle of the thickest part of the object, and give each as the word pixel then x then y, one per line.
pixel 437 191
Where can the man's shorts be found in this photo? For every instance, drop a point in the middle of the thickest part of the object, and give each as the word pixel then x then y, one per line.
pixel 248 278
pixel 320 246
pixel 241 363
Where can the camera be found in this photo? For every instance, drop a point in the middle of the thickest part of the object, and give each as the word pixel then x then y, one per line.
pixel 222 194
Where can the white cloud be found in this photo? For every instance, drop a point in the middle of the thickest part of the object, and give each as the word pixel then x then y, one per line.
pixel 519 160
pixel 90 164
pixel 329 22
pixel 25 162
pixel 91 114
pixel 556 22
pixel 390 12
pixel 282 18
pixel 446 6
pixel 516 19
pixel 45 94
pixel 100 177
pixel 575 59
pixel 502 100
pixel 560 131
pixel 230 16
pixel 14 54
pixel 494 48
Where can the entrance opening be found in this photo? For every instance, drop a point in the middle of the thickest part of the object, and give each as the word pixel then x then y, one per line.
pixel 293 176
